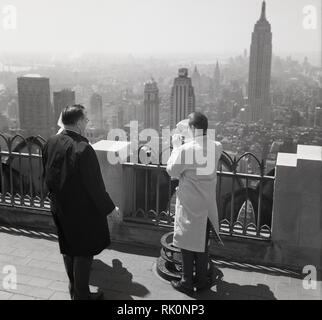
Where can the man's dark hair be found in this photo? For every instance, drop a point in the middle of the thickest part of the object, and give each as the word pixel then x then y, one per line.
pixel 199 121
pixel 72 114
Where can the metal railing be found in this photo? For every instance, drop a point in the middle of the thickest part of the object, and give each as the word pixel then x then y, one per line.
pixel 21 170
pixel 244 200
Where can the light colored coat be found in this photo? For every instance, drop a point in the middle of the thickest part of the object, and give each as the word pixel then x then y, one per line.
pixel 196 194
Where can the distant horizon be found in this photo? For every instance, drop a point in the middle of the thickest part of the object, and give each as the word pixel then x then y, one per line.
pixel 313 56
pixel 157 27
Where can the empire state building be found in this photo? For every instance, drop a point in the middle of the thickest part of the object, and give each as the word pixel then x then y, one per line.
pixel 259 100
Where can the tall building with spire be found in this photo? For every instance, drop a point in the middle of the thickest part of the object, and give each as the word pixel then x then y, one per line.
pixel 196 81
pixel 259 100
pixel 151 106
pixel 217 75
pixel 182 98
pixel 217 78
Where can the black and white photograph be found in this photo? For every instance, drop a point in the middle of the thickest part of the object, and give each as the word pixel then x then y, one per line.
pixel 160 154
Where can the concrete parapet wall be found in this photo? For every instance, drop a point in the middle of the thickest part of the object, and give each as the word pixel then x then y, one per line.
pixel 297 213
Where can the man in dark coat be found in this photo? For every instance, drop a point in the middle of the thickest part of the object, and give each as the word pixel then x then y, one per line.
pixel 79 201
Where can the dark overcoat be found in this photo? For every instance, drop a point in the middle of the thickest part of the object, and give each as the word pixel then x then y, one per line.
pixel 79 201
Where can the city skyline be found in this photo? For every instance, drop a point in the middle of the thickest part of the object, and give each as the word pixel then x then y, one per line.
pixel 224 90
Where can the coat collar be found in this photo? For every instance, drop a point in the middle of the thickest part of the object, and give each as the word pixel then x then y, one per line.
pixel 74 135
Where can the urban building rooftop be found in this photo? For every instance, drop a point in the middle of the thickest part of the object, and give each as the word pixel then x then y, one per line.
pixel 128 272
pixel 269 225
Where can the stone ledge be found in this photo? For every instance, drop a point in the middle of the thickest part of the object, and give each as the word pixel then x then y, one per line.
pixel 27 218
pixel 304 153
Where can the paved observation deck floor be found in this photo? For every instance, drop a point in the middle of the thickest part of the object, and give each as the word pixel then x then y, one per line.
pixel 127 272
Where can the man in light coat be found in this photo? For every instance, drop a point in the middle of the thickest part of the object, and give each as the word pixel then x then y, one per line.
pixel 196 205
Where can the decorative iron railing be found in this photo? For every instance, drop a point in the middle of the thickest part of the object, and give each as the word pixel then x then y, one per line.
pixel 245 200
pixel 21 181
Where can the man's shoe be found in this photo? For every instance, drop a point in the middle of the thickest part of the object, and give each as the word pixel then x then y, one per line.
pixel 99 295
pixel 204 286
pixel 179 286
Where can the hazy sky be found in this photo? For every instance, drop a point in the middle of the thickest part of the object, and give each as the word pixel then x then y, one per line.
pixel 155 26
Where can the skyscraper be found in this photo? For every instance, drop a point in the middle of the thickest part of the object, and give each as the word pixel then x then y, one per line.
pixel 196 81
pixel 259 100
pixel 318 116
pixel 182 98
pixel 12 109
pixel 151 106
pixel 217 78
pixel 62 99
pixel 96 111
pixel 120 118
pixel 35 111
pixel 215 83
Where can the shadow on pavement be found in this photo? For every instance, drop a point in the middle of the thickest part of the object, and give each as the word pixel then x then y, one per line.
pixel 222 290
pixel 135 249
pixel 115 281
pixel 28 232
